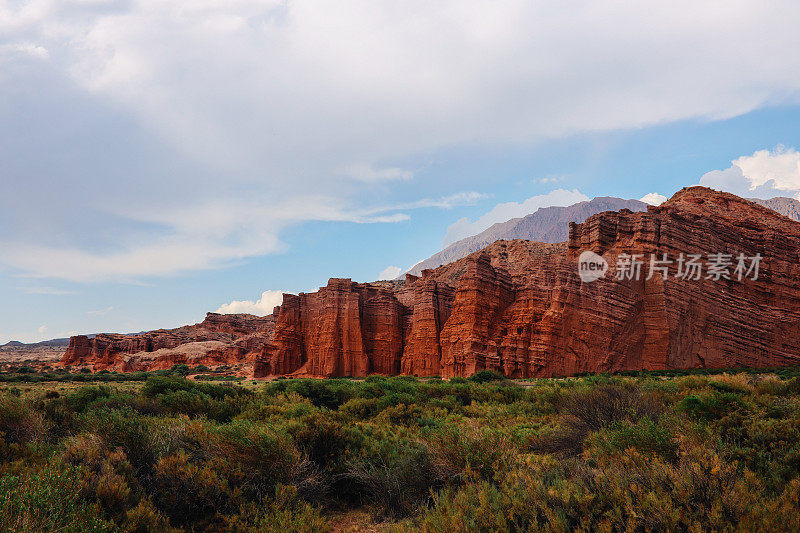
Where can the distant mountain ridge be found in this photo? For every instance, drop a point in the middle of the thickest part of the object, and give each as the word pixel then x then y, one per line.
pixel 49 343
pixel 547 224
pixel 788 207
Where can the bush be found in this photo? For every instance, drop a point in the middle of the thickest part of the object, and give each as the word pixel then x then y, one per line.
pixel 106 476
pixel 711 406
pixel 181 370
pixel 282 513
pixel 646 436
pixel 322 393
pixel 83 397
pixel 189 492
pixel 591 409
pixel 395 476
pixel 19 424
pixel 47 501
pixel 126 430
pixel 485 376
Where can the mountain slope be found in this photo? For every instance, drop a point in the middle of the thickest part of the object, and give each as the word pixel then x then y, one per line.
pixel 548 224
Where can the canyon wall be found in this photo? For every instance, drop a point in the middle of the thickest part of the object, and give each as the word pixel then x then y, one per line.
pixel 520 307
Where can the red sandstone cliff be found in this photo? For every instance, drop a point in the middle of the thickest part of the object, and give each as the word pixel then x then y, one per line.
pixel 520 307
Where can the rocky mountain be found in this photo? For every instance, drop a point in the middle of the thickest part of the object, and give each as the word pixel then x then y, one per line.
pixel 548 224
pixel 521 308
pixel 788 207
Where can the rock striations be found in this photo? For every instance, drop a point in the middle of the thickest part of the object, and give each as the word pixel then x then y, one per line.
pixel 219 339
pixel 520 307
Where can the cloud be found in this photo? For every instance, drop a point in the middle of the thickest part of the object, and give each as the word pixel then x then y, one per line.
pixel 203 236
pixel 261 307
pixel 765 174
pixel 24 49
pixel 506 211
pixel 49 291
pixel 445 202
pixel 42 330
pixel 101 312
pixel 552 178
pixel 367 173
pixel 653 198
pixel 389 272
pixel 162 119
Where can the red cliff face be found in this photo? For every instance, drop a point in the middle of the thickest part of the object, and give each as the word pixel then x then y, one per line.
pixel 520 308
pixel 429 304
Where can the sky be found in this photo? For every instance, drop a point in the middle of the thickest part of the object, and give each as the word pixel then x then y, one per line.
pixel 162 159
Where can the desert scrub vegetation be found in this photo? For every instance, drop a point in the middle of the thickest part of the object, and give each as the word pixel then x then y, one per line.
pixel 644 452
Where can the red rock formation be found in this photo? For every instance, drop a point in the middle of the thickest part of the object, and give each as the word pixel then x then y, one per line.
pixel 520 307
pixel 285 354
pixel 237 336
pixel 470 339
pixel 344 329
pixel 430 303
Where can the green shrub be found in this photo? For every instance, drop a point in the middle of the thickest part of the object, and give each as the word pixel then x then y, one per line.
pixel 46 500
pixel 485 376
pixel 83 397
pixel 284 512
pixel 395 476
pixel 190 493
pixel 19 424
pixel 329 394
pixel 646 435
pixel 711 406
pixel 591 409
pixel 181 370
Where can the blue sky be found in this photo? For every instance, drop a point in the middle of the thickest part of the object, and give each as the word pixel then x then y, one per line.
pixel 161 160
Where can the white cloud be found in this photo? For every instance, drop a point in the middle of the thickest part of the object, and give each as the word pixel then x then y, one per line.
pixel 206 236
pixel 765 174
pixel 506 211
pixel 445 202
pixel 779 167
pixel 368 173
pixel 653 198
pixel 261 307
pixel 551 178
pixel 49 291
pixel 101 312
pixel 389 272
pixel 42 330
pixel 228 111
pixel 23 49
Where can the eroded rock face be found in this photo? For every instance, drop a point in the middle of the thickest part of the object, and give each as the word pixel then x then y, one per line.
pixel 219 339
pixel 520 308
